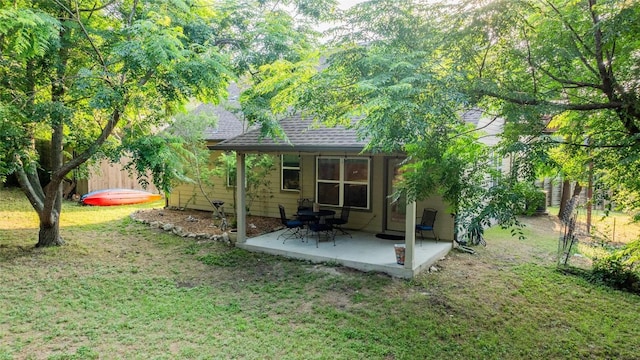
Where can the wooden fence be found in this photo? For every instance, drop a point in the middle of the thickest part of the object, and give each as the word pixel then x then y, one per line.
pixel 107 175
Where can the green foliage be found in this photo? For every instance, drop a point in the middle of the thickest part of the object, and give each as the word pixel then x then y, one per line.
pixel 532 198
pixel 563 65
pixel 618 267
pixel 630 254
pixel 98 80
pixel 257 182
pixel 26 33
pixel 195 157
pixel 260 32
pixel 617 273
pixel 160 156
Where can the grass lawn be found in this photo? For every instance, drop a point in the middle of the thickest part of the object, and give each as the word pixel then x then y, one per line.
pixel 121 290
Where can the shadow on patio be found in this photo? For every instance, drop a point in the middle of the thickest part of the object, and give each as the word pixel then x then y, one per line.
pixel 363 252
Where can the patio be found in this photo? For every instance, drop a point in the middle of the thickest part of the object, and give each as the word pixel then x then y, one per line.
pixel 363 252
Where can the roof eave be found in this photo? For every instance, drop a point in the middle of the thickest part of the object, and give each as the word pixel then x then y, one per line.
pixel 286 148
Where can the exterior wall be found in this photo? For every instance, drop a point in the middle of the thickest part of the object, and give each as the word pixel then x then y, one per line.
pixel 371 220
pixel 189 195
pixel 444 224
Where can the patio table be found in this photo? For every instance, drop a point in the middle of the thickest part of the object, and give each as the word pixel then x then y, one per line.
pixel 320 214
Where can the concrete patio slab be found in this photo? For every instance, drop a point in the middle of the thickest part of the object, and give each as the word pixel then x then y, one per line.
pixel 363 251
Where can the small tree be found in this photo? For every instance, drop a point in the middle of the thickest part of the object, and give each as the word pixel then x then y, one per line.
pixel 258 183
pixel 190 128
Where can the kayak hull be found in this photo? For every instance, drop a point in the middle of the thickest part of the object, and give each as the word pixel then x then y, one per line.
pixel 112 197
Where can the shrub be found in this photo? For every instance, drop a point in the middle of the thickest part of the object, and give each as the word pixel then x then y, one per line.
pixel 531 198
pixel 615 272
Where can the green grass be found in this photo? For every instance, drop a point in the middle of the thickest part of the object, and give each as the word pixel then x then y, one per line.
pixel 121 290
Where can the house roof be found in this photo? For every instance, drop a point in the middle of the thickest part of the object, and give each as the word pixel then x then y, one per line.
pixel 302 134
pixel 227 126
pixel 305 136
pixel 491 126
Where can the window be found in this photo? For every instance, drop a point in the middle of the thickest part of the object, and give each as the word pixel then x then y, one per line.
pixel 231 176
pixel 495 164
pixel 343 181
pixel 290 172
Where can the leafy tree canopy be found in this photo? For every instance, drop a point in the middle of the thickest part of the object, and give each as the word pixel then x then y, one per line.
pixel 100 78
pixel 409 70
pixel 569 66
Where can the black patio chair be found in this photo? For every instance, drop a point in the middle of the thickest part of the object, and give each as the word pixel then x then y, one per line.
pixel 337 223
pixel 318 228
pixel 427 224
pixel 305 204
pixel 293 226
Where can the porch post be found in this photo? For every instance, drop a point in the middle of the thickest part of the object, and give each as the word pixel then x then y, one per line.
pixel 410 234
pixel 241 209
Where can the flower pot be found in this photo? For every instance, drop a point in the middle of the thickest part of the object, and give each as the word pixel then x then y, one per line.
pixel 233 236
pixel 400 249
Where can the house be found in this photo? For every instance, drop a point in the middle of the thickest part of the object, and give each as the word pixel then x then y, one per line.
pixel 108 175
pixel 328 166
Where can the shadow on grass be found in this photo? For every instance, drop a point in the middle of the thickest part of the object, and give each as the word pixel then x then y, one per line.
pixel 630 284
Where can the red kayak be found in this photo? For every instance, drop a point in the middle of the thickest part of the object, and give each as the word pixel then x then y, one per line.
pixel 112 197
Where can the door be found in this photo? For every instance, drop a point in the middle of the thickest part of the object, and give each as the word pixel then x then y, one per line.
pixel 396 210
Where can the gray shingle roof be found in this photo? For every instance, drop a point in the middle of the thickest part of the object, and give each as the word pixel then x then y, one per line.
pixel 228 125
pixel 302 134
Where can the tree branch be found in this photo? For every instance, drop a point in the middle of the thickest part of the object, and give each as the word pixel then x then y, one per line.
pixel 613 105
pixel 85 155
pixel 76 15
pixel 577 38
pixel 592 146
pixel 576 35
pixel 578 84
pixel 98 8
pixel 34 196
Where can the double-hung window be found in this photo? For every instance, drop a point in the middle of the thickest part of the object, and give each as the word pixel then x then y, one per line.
pixel 290 172
pixel 343 181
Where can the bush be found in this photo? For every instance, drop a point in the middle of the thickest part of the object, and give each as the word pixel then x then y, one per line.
pixel 532 198
pixel 613 271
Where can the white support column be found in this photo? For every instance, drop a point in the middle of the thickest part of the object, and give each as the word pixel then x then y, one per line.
pixel 241 208
pixel 410 235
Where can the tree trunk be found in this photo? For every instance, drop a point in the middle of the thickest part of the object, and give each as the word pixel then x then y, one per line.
pixel 567 195
pixel 577 189
pixel 564 196
pixel 49 234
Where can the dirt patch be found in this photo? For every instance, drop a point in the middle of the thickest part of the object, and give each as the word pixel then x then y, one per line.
pixel 204 222
pixel 544 224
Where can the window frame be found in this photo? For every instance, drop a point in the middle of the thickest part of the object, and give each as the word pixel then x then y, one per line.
pixel 290 168
pixel 342 182
pixel 231 177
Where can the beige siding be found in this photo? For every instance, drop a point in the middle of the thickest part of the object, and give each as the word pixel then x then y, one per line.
pixel 190 196
pixel 371 220
pixel 444 221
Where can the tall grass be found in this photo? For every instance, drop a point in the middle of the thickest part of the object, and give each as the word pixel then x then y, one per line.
pixel 121 290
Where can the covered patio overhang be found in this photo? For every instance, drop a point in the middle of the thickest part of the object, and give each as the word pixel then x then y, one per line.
pixel 363 252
